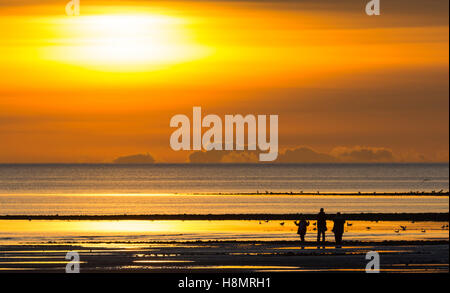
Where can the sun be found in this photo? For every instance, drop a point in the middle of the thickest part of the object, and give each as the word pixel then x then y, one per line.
pixel 123 42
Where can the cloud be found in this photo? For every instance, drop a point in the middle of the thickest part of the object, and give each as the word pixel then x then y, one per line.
pixel 305 155
pixel 301 154
pixel 241 157
pixel 363 154
pixel 206 157
pixel 135 159
pixel 203 157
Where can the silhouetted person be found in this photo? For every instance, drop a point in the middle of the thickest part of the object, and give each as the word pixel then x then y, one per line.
pixel 302 227
pixel 321 225
pixel 338 228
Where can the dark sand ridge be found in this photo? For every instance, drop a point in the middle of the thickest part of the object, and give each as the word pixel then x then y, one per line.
pixel 437 217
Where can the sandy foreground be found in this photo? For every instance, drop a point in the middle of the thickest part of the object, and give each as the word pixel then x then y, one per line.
pixel 228 256
pixel 405 243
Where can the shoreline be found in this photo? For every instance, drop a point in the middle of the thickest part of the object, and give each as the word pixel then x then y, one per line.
pixel 387 193
pixel 82 244
pixel 267 193
pixel 433 217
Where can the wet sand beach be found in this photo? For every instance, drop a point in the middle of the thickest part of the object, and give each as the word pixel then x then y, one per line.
pixel 239 256
pixel 407 244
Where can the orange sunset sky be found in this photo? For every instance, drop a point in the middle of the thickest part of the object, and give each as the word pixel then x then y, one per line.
pixel 105 84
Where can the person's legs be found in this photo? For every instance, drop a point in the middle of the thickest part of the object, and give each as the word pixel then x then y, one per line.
pixel 318 235
pixel 323 236
pixel 302 240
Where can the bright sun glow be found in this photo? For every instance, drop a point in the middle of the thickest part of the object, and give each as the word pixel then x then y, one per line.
pixel 117 42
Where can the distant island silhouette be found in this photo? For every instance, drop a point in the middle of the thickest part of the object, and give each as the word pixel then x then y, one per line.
pixel 135 159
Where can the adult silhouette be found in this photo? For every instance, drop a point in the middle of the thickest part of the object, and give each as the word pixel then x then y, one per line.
pixel 321 225
pixel 338 228
pixel 302 225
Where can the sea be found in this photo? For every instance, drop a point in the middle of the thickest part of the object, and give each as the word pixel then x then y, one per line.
pixel 108 189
